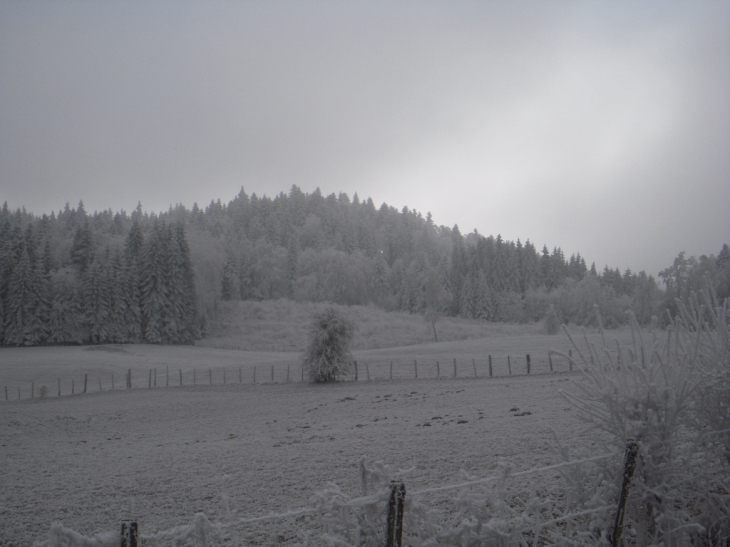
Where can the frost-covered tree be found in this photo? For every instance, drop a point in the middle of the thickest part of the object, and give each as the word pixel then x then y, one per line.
pixel 328 355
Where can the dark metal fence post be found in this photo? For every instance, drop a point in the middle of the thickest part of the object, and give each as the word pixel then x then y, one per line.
pixel 454 367
pixel 528 363
pixel 130 534
pixel 395 514
pixel 629 465
pixel 550 358
pixel 490 366
pixel 509 366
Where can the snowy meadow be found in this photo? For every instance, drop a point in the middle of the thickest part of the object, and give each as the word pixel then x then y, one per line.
pixel 485 460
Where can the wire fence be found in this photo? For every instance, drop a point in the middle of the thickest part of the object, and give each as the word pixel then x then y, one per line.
pixel 378 369
pixel 201 532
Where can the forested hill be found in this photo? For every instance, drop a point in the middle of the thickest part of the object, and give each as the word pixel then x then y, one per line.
pixel 74 277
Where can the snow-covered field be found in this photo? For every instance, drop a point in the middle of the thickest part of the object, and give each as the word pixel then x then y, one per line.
pixel 161 455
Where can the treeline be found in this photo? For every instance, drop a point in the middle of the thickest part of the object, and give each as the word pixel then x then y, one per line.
pixel 80 279
pixel 72 277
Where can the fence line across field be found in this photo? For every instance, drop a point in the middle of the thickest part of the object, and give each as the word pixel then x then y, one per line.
pixel 202 524
pixel 371 369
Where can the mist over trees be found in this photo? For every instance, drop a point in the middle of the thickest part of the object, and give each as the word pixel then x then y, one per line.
pixel 79 278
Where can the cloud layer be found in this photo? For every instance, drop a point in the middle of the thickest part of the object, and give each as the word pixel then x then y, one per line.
pixel 602 128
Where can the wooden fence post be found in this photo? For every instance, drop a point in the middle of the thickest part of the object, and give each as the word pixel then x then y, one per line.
pixel 415 367
pixel 149 380
pixel 490 366
pixel 395 514
pixel 272 374
pixel 130 534
pixel 155 376
pixel 550 358
pixel 438 370
pixel 32 390
pixel 59 390
pixel 210 376
pixel 167 376
pixel 629 465
pixel 509 366
pixel 194 379
pixel 454 367
pixel 72 389
pixel 356 372
pixel 528 363
pixel 180 376
pixel 86 381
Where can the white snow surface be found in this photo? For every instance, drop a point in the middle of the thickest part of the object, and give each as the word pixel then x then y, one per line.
pixel 159 456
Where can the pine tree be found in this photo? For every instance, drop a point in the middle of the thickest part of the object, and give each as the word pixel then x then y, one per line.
pixel 154 283
pixel 96 303
pixel 67 325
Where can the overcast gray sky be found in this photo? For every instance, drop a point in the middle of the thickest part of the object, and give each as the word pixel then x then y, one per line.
pixel 599 127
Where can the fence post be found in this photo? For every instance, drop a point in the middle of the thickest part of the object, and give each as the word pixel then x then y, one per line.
pixel 490 366
pixel 224 375
pixel 550 358
pixel 272 374
pixel 59 390
pixel 395 514
pixel 149 380
pixel 180 376
pixel 130 534
pixel 391 370
pixel 302 367
pixel 73 389
pixel 474 364
pixel 112 381
pixel 509 366
pixel 367 370
pixel 129 379
pixel 356 372
pixel 210 376
pixel 454 367
pixel 155 376
pixel 415 367
pixel 167 376
pixel 629 465
pixel 528 363
pixel 32 390
pixel 194 379
pixel 438 370
pixel 86 381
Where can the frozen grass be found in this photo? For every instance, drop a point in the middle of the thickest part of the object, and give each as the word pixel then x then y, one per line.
pixel 161 456
pixel 281 325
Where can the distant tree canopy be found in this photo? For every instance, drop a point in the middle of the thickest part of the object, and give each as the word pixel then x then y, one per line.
pixel 74 277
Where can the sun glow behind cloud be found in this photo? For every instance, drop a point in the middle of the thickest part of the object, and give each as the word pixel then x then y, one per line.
pixel 592 126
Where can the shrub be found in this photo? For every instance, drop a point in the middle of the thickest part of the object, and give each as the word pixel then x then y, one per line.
pixel 672 399
pixel 328 355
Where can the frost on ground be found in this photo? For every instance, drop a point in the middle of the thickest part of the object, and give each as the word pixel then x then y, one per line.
pixel 161 456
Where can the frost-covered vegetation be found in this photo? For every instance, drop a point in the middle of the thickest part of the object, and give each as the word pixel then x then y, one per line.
pixel 668 398
pixel 72 277
pixel 327 357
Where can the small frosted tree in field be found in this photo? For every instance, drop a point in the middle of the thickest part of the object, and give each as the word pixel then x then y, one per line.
pixel 328 355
